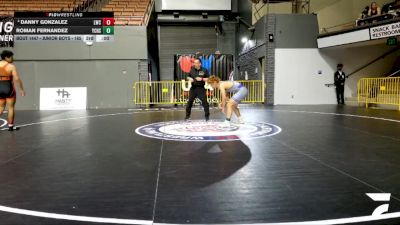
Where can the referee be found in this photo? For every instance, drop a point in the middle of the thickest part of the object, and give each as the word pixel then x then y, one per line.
pixel 198 76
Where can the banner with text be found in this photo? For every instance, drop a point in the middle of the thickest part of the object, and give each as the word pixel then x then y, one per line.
pixel 6 31
pixel 389 30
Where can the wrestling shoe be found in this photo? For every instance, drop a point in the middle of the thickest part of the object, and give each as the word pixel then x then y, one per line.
pixel 225 124
pixel 12 128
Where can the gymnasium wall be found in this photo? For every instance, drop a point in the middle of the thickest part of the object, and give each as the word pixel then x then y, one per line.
pixel 301 74
pixel 250 52
pixel 290 31
pixel 298 62
pixel 260 10
pixel 108 70
pixel 185 39
pixel 192 38
pixel 245 10
pixel 296 31
pixel 355 57
pixel 297 80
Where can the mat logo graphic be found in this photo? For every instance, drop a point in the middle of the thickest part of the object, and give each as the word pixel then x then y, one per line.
pixel 3 122
pixel 198 130
pixel 380 197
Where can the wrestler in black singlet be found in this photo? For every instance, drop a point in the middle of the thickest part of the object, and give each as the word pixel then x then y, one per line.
pixel 7 89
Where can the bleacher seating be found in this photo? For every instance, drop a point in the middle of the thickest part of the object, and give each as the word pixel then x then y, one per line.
pixel 128 12
pixel 8 7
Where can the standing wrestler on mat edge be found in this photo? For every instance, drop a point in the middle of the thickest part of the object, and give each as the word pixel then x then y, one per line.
pixel 198 75
pixel 8 78
pixel 239 93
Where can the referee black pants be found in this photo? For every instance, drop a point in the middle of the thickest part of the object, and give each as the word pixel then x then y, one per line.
pixel 340 94
pixel 200 93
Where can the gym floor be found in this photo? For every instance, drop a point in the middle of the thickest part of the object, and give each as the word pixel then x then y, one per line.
pixel 90 167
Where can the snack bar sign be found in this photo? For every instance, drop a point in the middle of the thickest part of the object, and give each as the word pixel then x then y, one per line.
pixel 389 30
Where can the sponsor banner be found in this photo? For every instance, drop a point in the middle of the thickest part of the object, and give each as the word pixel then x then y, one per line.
pixel 63 98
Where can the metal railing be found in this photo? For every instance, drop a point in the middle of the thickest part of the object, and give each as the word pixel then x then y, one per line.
pixel 177 92
pixel 394 73
pixel 262 8
pixel 149 10
pixel 339 27
pixel 384 91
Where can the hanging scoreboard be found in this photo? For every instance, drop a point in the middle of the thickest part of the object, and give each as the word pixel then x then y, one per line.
pixel 64 26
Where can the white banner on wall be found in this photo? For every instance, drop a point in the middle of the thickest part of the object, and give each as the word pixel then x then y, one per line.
pixel 63 98
pixel 389 30
pixel 202 5
pixel 343 39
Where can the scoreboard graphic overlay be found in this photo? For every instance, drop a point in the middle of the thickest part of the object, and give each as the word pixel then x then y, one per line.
pixel 64 26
